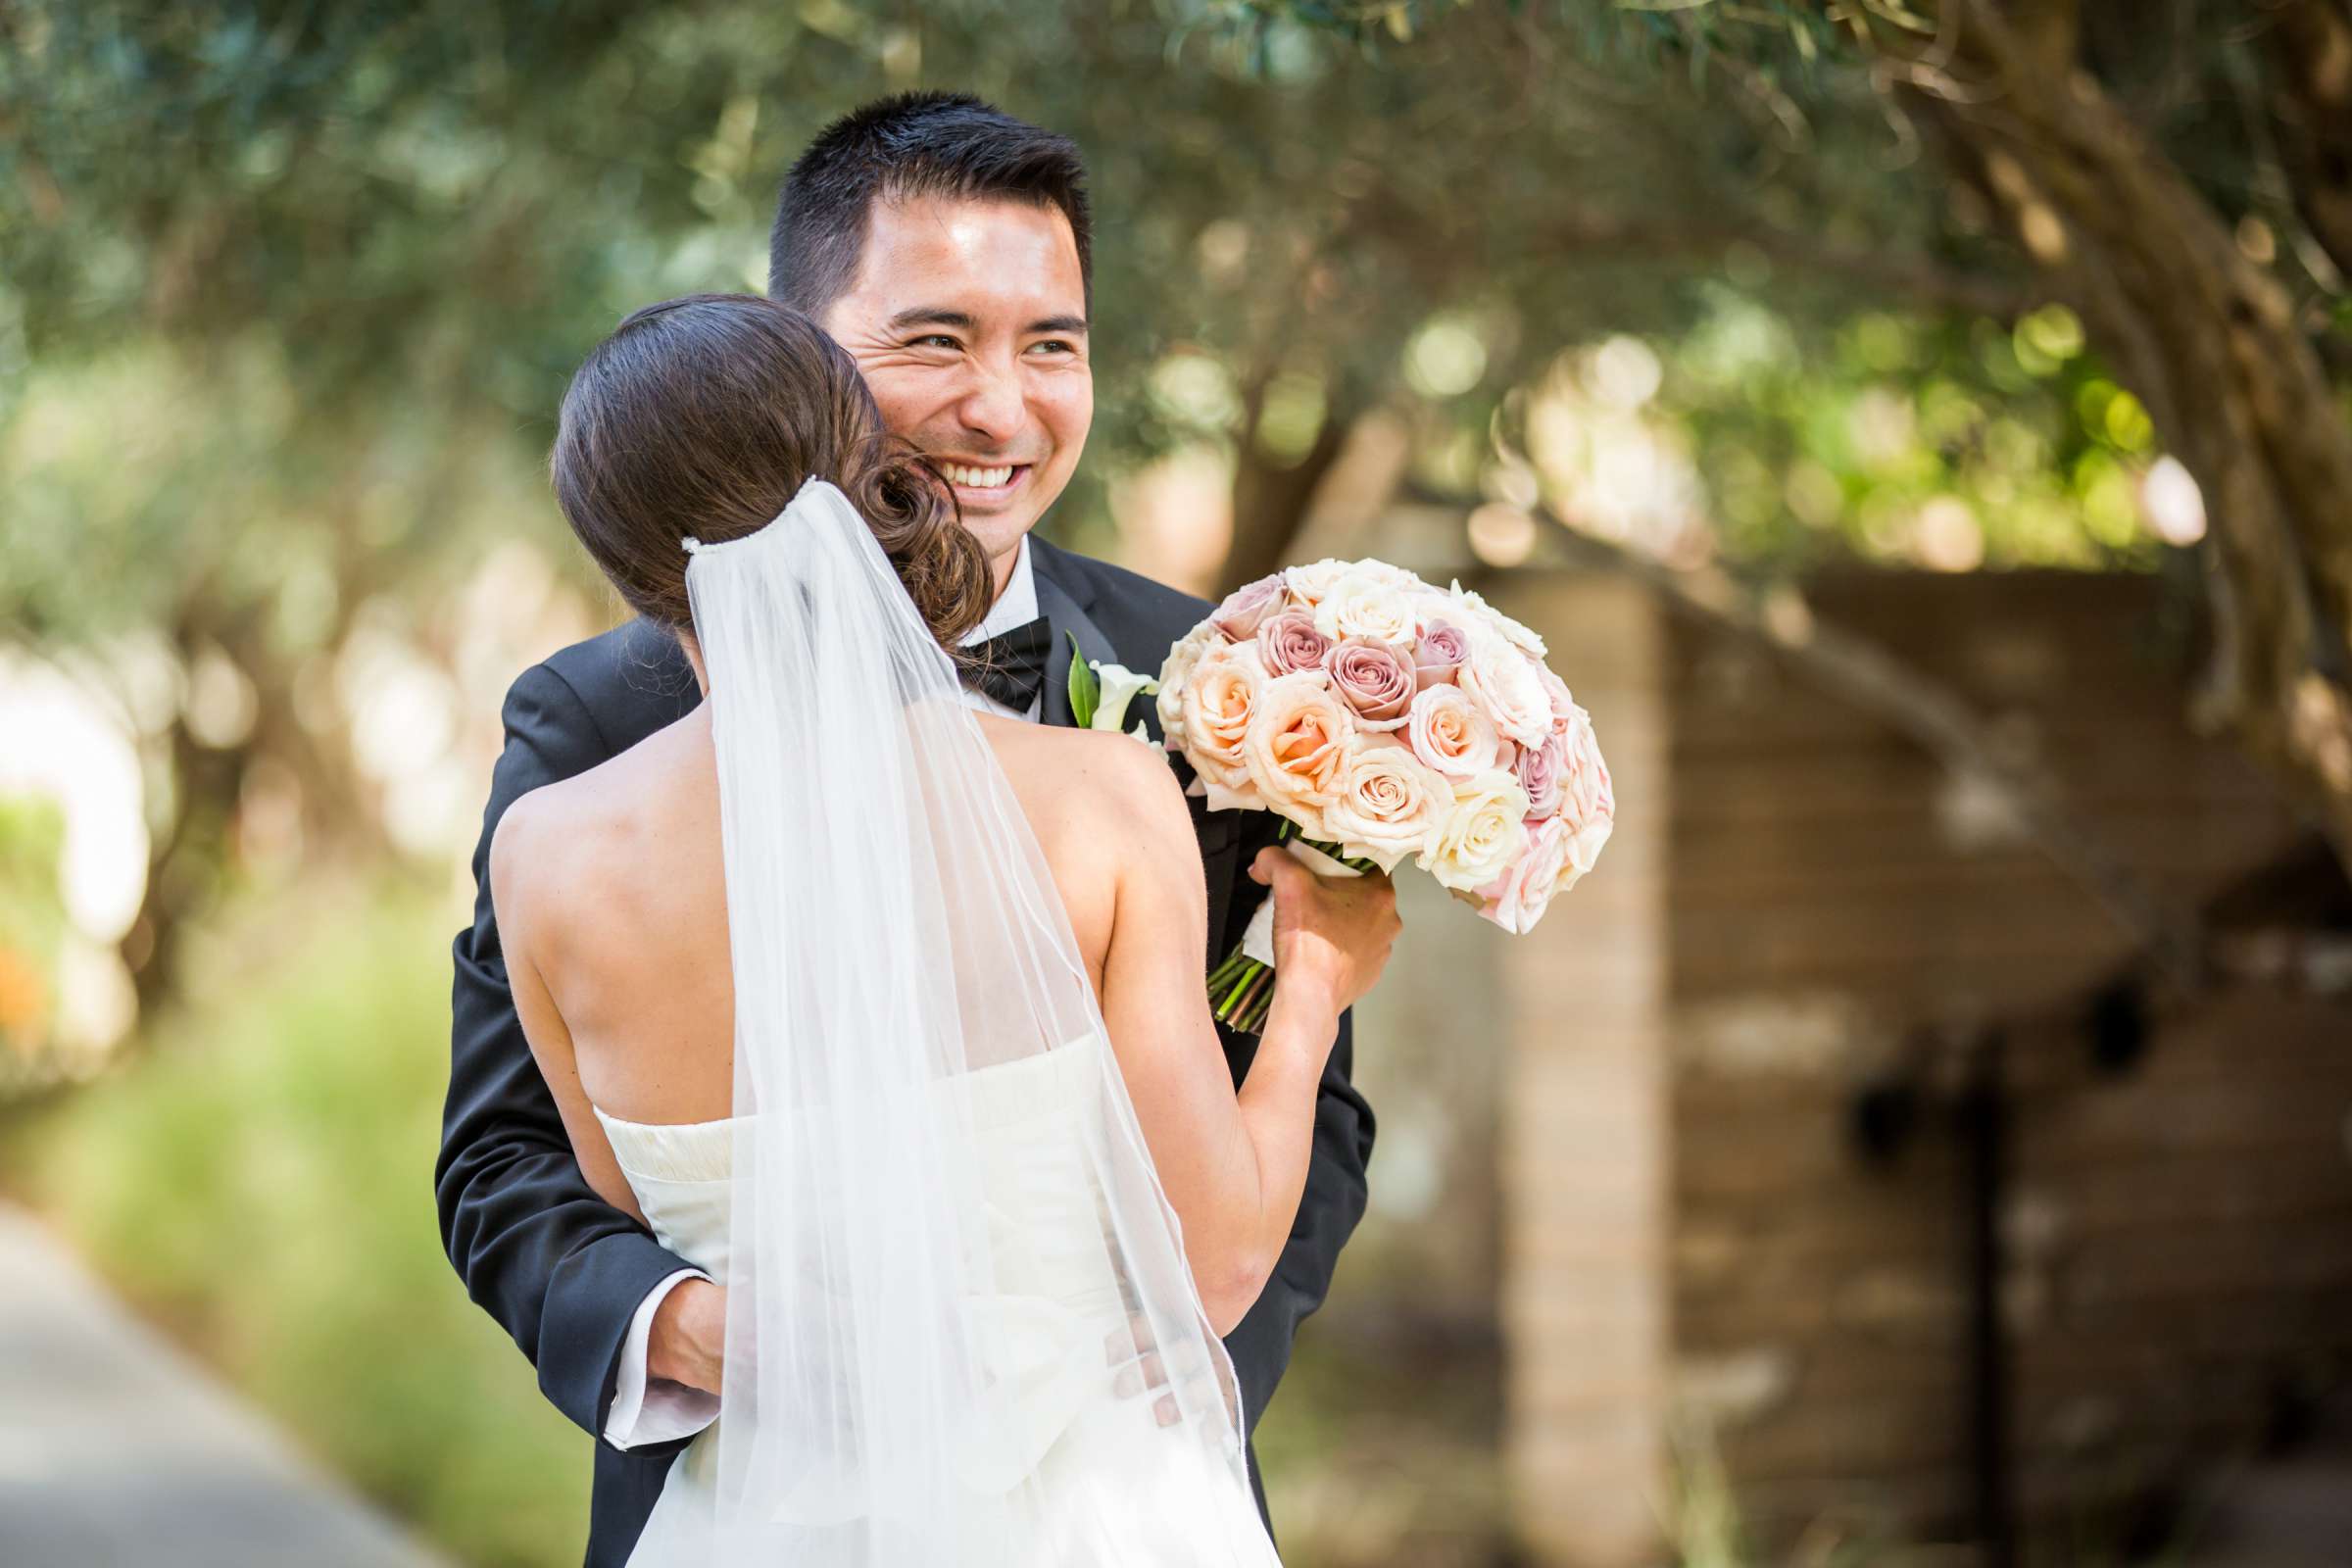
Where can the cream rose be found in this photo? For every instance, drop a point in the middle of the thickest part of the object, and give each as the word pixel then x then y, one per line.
pixel 1390 804
pixel 1361 607
pixel 1563 706
pixel 1221 697
pixel 1516 633
pixel 1299 741
pixel 1482 833
pixel 1517 898
pixel 1176 674
pixel 1507 687
pixel 1308 584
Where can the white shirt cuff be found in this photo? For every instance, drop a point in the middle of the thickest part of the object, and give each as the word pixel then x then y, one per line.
pixel 646 1409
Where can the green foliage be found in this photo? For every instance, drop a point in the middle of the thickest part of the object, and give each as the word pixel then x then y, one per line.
pixel 1839 446
pixel 262 1185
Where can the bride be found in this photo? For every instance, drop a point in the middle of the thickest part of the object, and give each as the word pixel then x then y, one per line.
pixel 889 1014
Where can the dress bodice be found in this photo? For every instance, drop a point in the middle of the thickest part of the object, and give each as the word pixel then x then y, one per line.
pixel 1092 1478
pixel 1029 1118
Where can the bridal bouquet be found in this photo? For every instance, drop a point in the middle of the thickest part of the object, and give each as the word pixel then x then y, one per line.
pixel 1381 718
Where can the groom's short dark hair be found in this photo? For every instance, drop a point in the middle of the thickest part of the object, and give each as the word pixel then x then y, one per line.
pixel 917 144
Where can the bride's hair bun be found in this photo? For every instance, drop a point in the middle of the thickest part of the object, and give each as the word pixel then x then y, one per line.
pixel 702 417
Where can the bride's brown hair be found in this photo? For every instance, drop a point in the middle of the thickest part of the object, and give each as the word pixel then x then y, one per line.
pixel 702 417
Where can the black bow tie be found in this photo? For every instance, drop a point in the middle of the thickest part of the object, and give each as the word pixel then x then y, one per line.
pixel 1012 669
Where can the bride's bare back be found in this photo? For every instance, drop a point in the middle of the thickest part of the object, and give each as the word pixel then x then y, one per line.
pixel 612 905
pixel 609 887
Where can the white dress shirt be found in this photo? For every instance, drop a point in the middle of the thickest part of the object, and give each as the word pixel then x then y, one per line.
pixel 1017 606
pixel 646 1409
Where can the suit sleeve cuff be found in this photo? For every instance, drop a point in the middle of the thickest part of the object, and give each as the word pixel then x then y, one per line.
pixel 646 1409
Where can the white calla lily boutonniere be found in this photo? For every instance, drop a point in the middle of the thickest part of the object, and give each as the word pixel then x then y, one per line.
pixel 1099 694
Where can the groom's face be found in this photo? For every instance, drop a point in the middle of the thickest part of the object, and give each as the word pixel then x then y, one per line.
pixel 969 322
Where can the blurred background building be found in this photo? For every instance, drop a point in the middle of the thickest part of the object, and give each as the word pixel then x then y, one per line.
pixel 1920 432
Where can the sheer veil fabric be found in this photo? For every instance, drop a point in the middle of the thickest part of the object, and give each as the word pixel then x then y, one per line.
pixel 900 1389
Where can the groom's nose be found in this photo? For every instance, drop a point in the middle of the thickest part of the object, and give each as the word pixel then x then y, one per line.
pixel 995 406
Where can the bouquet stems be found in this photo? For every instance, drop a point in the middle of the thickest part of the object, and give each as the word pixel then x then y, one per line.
pixel 1241 990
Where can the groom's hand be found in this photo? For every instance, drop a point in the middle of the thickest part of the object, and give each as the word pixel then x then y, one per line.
pixel 688 1339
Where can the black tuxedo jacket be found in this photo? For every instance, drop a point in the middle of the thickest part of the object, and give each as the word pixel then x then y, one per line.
pixel 562 1270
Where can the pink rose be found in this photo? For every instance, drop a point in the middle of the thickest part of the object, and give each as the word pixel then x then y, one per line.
pixel 1588 800
pixel 1441 650
pixel 1373 679
pixel 1450 733
pixel 1517 898
pixel 1538 768
pixel 1299 738
pixel 1239 617
pixel 1288 643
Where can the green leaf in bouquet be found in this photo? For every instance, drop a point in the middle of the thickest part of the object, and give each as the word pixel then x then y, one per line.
pixel 1086 687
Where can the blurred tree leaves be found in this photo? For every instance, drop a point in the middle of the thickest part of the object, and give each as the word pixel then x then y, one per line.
pixel 291 290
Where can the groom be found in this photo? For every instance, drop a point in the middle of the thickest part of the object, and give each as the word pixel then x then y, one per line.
pixel 948 247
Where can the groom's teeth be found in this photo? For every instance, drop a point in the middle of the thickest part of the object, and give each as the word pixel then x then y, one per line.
pixel 978 479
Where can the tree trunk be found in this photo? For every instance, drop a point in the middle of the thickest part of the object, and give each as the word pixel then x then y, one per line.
pixel 2207 341
pixel 1271 503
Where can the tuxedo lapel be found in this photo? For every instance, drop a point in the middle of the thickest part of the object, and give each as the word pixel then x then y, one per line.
pixel 1068 620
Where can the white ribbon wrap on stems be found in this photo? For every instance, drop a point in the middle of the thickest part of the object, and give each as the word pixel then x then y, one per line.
pixel 1258 937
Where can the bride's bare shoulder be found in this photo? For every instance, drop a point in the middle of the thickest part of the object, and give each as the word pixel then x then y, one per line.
pixel 579 841
pixel 1090 775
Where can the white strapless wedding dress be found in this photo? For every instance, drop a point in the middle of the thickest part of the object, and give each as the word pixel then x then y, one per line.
pixel 1094 1480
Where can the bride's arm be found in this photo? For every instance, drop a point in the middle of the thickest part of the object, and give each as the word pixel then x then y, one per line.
pixel 1233 1164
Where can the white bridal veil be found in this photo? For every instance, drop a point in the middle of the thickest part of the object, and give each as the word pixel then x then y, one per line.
pixel 892 1380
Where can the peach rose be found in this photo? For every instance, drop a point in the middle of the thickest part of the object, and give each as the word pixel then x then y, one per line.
pixel 1450 733
pixel 1297 743
pixel 1176 674
pixel 1484 832
pixel 1221 698
pixel 1390 804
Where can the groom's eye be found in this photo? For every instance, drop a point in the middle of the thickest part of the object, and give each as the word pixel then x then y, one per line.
pixel 1055 345
pixel 937 340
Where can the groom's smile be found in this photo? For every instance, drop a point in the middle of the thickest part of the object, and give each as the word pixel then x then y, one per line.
pixel 968 318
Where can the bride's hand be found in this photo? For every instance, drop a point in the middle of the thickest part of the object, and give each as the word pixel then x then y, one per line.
pixel 688 1341
pixel 1334 932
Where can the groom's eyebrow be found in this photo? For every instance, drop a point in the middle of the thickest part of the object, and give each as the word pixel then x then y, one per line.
pixel 930 315
pixel 942 315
